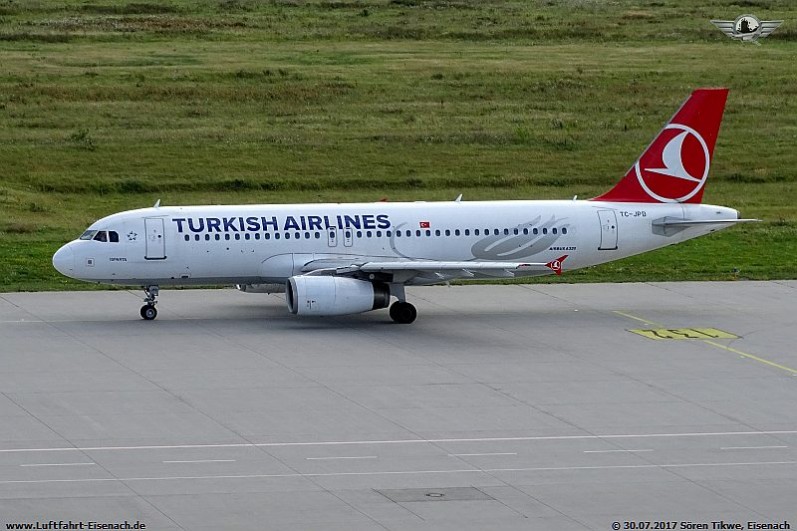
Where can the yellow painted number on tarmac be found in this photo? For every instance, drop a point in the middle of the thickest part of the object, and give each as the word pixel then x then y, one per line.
pixel 684 333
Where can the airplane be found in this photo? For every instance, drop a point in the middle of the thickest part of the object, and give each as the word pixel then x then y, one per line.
pixel 348 258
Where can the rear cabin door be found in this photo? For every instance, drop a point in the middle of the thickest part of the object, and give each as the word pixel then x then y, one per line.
pixel 608 220
pixel 156 239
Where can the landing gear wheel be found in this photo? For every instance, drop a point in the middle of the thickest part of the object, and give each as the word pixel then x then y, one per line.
pixel 148 312
pixel 403 312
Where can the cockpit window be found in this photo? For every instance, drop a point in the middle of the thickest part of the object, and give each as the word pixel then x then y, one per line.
pixel 88 235
pixel 101 236
pixel 113 236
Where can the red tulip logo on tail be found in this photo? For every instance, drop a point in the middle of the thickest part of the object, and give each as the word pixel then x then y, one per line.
pixel 675 166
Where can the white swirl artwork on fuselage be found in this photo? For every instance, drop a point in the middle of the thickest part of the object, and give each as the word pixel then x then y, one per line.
pixel 531 239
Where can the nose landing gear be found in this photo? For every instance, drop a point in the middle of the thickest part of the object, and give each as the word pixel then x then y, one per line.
pixel 148 311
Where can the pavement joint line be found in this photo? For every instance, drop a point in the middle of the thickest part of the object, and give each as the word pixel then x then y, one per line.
pixel 616 451
pixel 743 354
pixel 203 461
pixel 401 441
pixel 401 472
pixel 342 457
pixel 751 447
pixel 486 453
pixel 57 464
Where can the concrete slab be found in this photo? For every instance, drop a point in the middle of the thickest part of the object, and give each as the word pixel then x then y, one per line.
pixel 229 413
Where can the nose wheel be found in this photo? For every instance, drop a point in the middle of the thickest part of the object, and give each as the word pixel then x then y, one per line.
pixel 148 311
pixel 403 312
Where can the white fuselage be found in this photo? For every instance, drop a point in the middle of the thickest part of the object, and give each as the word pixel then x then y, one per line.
pixel 250 244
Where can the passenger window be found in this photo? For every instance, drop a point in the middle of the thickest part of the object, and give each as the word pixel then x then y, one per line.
pixel 379 234
pixel 545 230
pixel 496 232
pixel 536 231
pixel 101 236
pixel 218 237
pixel 564 230
pixel 506 232
pixel 437 232
pixel 516 231
pixel 418 233
pixel 428 233
pixel 476 232
pixel 187 237
pixel 207 237
pixel 553 230
pixel 526 231
pixel 456 232
pixel 467 232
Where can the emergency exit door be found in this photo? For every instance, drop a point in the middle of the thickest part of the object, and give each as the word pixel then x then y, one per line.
pixel 155 240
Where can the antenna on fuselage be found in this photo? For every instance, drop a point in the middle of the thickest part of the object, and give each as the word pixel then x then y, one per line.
pixel 157 204
pixel 458 199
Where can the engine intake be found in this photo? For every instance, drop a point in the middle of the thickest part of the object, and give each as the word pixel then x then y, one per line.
pixel 330 295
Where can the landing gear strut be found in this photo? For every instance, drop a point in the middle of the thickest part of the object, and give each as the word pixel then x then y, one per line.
pixel 403 312
pixel 148 311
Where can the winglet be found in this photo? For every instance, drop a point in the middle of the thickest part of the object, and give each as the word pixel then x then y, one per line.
pixel 556 265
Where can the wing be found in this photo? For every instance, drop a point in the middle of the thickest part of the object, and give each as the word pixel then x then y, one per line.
pixel 768 26
pixel 406 270
pixel 725 26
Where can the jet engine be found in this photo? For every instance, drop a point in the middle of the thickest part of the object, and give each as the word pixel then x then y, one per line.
pixel 331 295
pixel 261 288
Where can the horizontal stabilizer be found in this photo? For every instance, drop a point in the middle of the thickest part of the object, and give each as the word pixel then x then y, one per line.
pixel 667 226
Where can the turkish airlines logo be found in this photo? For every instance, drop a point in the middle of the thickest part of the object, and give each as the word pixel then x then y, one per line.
pixel 676 165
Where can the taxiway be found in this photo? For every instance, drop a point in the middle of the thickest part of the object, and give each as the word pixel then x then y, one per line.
pixel 550 407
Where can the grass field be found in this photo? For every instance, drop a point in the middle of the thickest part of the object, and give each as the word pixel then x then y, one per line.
pixel 111 105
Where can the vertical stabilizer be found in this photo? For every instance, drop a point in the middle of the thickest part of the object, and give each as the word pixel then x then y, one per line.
pixel 675 166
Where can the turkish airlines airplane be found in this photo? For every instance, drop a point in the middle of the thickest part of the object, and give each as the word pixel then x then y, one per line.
pixel 338 259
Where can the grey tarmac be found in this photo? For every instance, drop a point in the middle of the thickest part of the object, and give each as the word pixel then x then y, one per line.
pixel 501 407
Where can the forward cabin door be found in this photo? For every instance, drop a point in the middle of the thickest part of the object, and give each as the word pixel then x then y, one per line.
pixel 608 220
pixel 332 236
pixel 155 240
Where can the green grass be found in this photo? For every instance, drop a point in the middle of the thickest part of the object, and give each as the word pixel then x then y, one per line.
pixel 109 105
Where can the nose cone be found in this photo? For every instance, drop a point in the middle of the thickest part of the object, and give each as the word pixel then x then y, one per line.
pixel 64 261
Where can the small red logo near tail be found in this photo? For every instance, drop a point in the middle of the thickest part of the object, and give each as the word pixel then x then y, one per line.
pixel 674 167
pixel 556 265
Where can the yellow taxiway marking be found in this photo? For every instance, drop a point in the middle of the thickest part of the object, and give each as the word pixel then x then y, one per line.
pixel 743 354
pixel 684 333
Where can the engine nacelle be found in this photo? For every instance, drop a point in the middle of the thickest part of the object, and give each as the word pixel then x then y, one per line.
pixel 261 288
pixel 330 295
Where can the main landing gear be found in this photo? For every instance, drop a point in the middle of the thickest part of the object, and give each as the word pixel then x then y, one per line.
pixel 148 311
pixel 403 312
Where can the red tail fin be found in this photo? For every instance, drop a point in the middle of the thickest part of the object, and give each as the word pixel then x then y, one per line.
pixel 674 167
